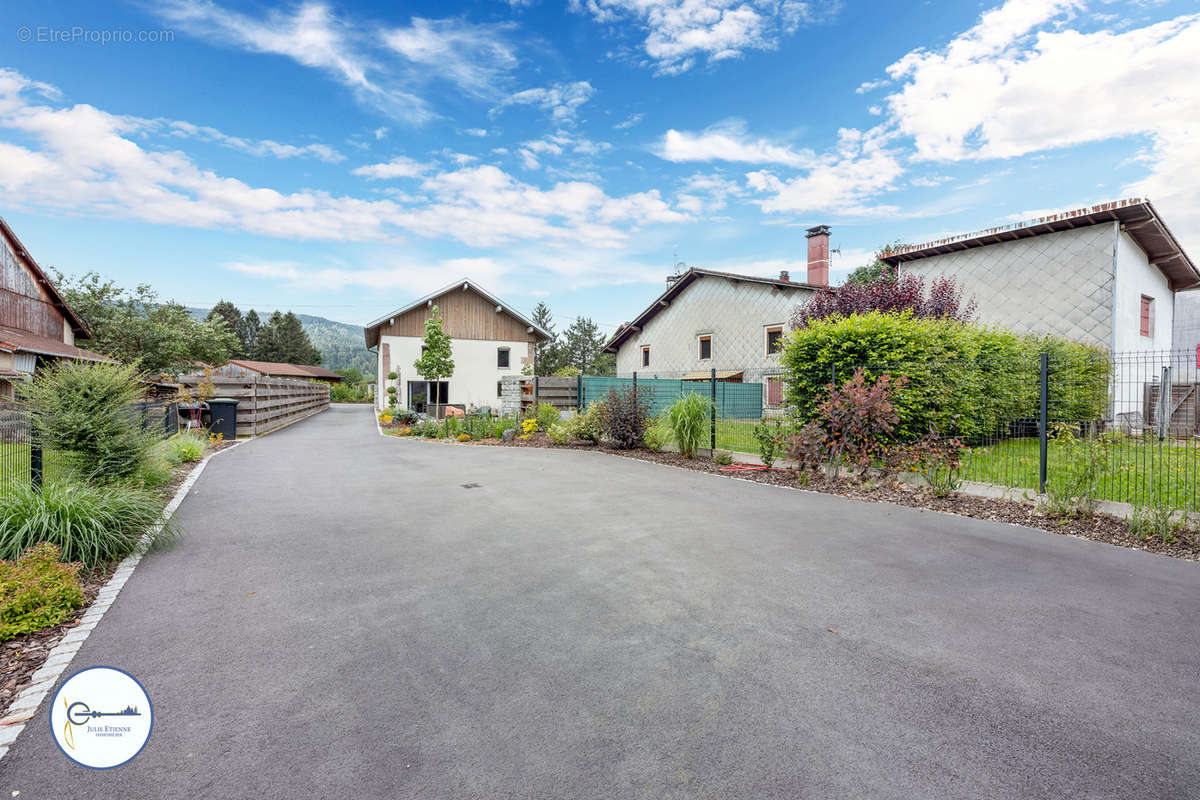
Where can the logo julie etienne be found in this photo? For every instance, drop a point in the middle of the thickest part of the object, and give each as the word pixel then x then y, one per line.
pixel 101 717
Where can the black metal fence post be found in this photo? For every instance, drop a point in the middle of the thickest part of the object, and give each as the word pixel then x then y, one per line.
pixel 635 384
pixel 1043 423
pixel 712 441
pixel 579 393
pixel 536 393
pixel 35 465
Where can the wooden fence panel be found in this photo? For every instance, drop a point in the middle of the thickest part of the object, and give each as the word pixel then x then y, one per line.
pixel 266 404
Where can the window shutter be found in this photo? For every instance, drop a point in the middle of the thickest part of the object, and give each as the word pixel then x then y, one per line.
pixel 774 392
pixel 1146 306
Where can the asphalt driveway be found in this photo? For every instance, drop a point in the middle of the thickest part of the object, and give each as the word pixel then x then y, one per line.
pixel 345 619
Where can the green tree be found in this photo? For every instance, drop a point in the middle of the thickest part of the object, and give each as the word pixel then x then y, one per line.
pixel 583 346
pixel 252 327
pixel 231 315
pixel 283 339
pixel 437 359
pixel 876 270
pixel 548 355
pixel 136 327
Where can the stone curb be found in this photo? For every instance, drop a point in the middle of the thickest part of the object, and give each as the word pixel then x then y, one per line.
pixel 60 656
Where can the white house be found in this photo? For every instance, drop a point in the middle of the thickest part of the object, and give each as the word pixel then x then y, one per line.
pixel 1106 274
pixel 490 340
pixel 708 320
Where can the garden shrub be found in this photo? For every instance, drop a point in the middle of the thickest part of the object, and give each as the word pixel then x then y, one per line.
pixel 559 433
pixel 82 409
pixel 405 417
pixel 547 416
pixel 769 437
pixel 464 437
pixel 888 295
pixel 529 427
pixel 37 591
pixel 1074 483
pixel 964 380
pixel 589 425
pixel 937 458
pixel 861 418
pixel 93 524
pixel 450 427
pixel 658 435
pixel 429 429
pixel 626 412
pixel 722 457
pixel 808 446
pixel 501 425
pixel 1155 516
pixel 688 420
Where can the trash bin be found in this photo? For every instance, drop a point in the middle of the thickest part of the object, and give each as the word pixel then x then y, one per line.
pixel 222 412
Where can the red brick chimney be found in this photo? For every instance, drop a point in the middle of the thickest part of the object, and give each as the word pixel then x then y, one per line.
pixel 818 255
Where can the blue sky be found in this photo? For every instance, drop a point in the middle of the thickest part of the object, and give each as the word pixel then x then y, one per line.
pixel 342 159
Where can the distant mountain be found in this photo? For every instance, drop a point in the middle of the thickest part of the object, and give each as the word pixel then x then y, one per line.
pixel 342 345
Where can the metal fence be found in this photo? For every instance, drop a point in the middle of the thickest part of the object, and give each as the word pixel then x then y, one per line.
pixel 1024 422
pixel 24 460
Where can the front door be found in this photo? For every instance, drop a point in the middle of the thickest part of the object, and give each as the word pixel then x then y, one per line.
pixel 423 394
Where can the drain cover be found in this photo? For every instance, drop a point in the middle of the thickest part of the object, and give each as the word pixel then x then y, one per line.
pixel 471 486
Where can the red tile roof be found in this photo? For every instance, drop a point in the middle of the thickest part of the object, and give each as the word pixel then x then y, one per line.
pixel 15 341
pixel 280 369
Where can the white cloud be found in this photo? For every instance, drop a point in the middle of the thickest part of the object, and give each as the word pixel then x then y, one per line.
pixel 629 122
pixel 254 147
pixel 380 133
pixel 476 58
pixel 678 32
pixel 386 68
pixel 479 132
pixel 702 194
pixel 82 159
pixel 311 35
pixel 728 141
pixel 398 167
pixel 841 181
pixel 870 86
pixel 562 100
pixel 1023 81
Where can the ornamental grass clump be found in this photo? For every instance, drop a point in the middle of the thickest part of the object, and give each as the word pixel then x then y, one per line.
pixel 186 447
pixel 687 419
pixel 93 524
pixel 37 591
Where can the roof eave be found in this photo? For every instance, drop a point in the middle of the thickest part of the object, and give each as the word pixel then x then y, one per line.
pixel 370 330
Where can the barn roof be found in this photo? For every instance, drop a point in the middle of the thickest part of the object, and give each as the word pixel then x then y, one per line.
pixel 78 325
pixel 371 330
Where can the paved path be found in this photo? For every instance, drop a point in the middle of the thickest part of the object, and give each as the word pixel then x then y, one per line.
pixel 345 620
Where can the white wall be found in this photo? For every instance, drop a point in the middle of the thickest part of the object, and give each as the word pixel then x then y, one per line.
pixel 1136 277
pixel 475 370
pixel 736 315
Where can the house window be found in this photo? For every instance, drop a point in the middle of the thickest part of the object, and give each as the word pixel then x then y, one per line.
pixel 645 356
pixel 499 388
pixel 774 392
pixel 502 357
pixel 774 339
pixel 1147 322
pixel 705 348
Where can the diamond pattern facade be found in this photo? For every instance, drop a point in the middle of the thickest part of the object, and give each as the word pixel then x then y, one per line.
pixel 1059 283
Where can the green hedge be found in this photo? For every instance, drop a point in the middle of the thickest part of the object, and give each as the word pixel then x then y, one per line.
pixel 965 380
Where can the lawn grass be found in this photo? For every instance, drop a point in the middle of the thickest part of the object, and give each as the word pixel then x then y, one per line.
pixel 1133 464
pixel 14 462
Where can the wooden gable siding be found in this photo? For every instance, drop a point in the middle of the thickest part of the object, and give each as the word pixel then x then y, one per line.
pixel 465 315
pixel 24 304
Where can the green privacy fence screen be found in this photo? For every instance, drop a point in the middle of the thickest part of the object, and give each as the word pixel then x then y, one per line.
pixel 734 400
